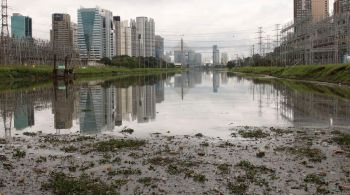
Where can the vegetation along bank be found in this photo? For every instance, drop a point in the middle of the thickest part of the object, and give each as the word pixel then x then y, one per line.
pixel 332 73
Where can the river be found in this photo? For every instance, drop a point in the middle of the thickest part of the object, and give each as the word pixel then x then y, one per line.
pixel 211 103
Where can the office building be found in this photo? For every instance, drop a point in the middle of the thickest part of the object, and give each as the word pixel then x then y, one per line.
pixel 145 34
pixel 341 7
pixel 95 34
pixel 117 34
pixel 21 26
pixel 310 9
pixel 216 55
pixel 62 31
pixel 159 47
pixel 320 9
pixel 134 38
pixel 74 27
pixel 122 37
pixel 198 59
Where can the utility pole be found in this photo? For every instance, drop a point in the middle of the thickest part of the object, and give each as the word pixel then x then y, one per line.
pixel 182 53
pixel 260 32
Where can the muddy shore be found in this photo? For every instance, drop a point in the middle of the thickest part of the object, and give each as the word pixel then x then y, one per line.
pixel 251 161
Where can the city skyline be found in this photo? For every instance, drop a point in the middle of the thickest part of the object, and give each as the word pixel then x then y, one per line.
pixel 190 18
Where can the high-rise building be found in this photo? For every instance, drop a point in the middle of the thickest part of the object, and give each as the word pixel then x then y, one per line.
pixel 150 38
pixel 134 38
pixel 117 34
pixel 123 39
pixel 21 26
pixel 74 27
pixel 145 32
pixel 95 34
pixel 198 59
pixel 159 47
pixel 341 6
pixel 62 31
pixel 126 39
pixel 216 55
pixel 310 9
pixel 320 9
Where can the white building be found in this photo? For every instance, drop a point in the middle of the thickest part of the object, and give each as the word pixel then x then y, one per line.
pixel 145 32
pixel 95 34
pixel 216 55
pixel 125 38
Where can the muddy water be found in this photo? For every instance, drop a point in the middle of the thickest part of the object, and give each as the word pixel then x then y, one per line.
pixel 193 102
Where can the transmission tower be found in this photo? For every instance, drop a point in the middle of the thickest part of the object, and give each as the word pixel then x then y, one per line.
pixel 277 41
pixel 260 37
pixel 4 19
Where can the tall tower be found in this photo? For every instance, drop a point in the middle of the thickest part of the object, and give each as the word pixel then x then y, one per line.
pixel 4 19
pixel 310 9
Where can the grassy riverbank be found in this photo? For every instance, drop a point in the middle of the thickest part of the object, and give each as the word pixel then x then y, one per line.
pixel 45 72
pixel 332 73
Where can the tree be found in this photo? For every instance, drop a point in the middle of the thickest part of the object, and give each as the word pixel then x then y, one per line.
pixel 106 61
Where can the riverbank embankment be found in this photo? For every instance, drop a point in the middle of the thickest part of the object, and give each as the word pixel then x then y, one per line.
pixel 45 72
pixel 333 73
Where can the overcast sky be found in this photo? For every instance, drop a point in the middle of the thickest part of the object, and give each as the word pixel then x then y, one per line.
pixel 231 24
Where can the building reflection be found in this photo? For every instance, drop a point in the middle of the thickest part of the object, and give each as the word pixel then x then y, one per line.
pixel 63 104
pixel 18 108
pixel 96 109
pixel 313 106
pixel 216 81
pixel 103 108
pixel 24 112
pixel 186 80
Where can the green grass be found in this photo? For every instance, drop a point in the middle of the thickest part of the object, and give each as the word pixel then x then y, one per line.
pixel 17 153
pixel 45 72
pixel 333 73
pixel 224 168
pixel 343 140
pixel 62 184
pixel 258 134
pixel 113 144
pixel 315 179
pixel 313 154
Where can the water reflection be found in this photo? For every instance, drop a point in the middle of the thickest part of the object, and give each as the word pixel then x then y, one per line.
pixel 187 101
pixel 304 104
